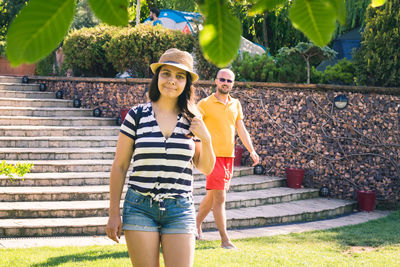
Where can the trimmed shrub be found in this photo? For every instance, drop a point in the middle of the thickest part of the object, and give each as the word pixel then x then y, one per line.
pixel 45 67
pixel 258 68
pixel 84 51
pixel 342 73
pixel 136 48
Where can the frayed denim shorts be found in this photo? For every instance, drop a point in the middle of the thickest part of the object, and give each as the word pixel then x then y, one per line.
pixel 142 213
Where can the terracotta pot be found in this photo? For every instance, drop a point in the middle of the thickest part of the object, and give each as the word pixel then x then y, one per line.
pixel 123 113
pixel 238 156
pixel 294 177
pixel 366 200
pixel 21 70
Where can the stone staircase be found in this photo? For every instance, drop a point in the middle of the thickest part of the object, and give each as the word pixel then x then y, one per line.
pixel 67 191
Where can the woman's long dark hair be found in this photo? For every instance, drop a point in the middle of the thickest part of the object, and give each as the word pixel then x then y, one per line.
pixel 185 100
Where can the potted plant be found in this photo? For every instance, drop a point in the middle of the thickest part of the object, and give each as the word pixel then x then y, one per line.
pixel 294 177
pixel 366 200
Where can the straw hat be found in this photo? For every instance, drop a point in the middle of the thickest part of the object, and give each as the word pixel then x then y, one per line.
pixel 177 58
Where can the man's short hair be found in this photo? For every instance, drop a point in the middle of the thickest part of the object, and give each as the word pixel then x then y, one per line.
pixel 155 11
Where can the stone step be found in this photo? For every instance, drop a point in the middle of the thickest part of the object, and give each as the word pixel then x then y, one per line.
pixel 10 79
pixel 19 87
pixel 63 153
pixel 68 165
pixel 63 209
pixel 45 112
pixel 59 121
pixel 55 142
pixel 27 94
pixel 25 130
pixel 87 178
pixel 288 212
pixel 101 192
pixel 24 102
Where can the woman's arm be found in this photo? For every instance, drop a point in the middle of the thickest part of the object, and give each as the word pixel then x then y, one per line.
pixel 204 157
pixel 119 169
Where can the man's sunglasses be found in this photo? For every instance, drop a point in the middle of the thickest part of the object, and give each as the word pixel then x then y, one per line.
pixel 222 80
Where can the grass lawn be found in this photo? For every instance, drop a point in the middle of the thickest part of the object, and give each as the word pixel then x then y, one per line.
pixel 375 243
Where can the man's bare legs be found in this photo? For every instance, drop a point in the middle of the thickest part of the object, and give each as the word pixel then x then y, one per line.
pixel 204 209
pixel 215 199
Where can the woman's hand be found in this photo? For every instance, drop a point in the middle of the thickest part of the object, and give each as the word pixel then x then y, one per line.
pixel 199 129
pixel 114 228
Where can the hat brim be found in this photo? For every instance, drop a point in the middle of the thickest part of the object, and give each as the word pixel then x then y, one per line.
pixel 155 66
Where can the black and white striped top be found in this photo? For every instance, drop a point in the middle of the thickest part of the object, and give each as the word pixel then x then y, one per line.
pixel 162 168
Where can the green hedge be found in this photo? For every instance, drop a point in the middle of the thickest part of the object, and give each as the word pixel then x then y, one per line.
pixel 106 50
pixel 264 68
pixel 343 73
pixel 136 48
pixel 84 51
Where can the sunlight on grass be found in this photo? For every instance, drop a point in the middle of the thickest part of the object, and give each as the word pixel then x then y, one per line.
pixel 375 243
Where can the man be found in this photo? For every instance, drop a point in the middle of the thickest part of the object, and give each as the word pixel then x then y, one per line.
pixel 154 13
pixel 222 114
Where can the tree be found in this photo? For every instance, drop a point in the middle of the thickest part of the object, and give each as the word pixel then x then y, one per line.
pixel 42 25
pixel 84 16
pixel 8 10
pixel 378 59
pixel 309 51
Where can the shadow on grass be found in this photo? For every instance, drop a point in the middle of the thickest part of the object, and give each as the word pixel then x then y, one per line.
pixel 381 232
pixel 87 256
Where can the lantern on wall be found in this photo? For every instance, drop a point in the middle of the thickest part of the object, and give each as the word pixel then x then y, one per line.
pixel 42 87
pixel 259 169
pixel 324 191
pixel 341 101
pixel 77 103
pixel 59 94
pixel 25 79
pixel 97 112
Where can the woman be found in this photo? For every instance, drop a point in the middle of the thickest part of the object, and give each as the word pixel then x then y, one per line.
pixel 158 208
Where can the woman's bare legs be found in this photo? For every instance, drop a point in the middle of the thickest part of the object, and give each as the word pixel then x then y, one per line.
pixel 143 248
pixel 178 249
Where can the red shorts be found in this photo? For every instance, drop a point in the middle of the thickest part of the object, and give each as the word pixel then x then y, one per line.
pixel 220 177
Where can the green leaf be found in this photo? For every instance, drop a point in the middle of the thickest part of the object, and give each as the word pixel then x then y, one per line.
pixel 220 37
pixel 112 12
pixel 315 18
pixel 38 29
pixel 340 7
pixel 377 3
pixel 264 5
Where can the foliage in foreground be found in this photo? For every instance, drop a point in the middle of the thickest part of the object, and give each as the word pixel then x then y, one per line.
pixel 10 170
pixel 375 243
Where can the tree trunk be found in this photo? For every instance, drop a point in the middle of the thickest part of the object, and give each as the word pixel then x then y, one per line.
pixel 137 12
pixel 308 70
pixel 265 30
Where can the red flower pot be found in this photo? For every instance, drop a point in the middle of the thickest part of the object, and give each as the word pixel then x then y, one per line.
pixel 238 156
pixel 294 177
pixel 366 200
pixel 123 113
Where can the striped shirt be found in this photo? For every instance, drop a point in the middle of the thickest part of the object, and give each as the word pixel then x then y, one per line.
pixel 162 168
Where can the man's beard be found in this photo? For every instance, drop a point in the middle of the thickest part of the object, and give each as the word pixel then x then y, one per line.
pixel 223 90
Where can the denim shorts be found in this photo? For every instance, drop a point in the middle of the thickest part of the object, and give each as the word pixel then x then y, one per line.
pixel 142 213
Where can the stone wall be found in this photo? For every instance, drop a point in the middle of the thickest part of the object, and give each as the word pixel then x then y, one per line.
pixel 293 125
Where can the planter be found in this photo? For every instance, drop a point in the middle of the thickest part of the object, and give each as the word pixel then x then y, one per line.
pixel 123 113
pixel 21 70
pixel 366 200
pixel 294 177
pixel 238 156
